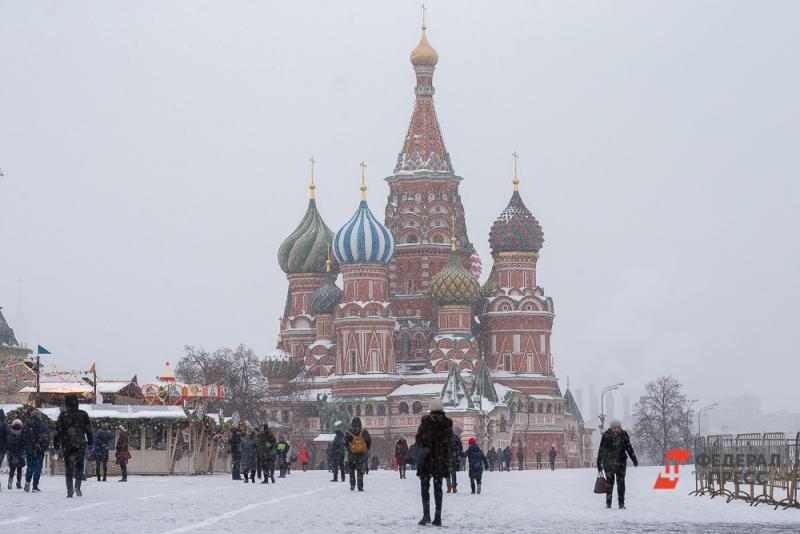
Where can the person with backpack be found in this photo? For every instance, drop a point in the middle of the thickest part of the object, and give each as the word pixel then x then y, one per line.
pixel 357 442
pixel 121 452
pixel 102 442
pixel 538 458
pixel 477 462
pixel 235 444
pixel 400 453
pixel 36 439
pixel 304 457
pixel 456 454
pixel 249 456
pixel 337 453
pixel 434 438
pixel 282 449
pixel 73 436
pixel 551 455
pixel 266 453
pixel 16 454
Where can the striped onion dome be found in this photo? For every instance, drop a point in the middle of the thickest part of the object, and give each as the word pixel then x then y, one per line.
pixel 306 249
pixel 454 285
pixel 363 239
pixel 326 296
pixel 516 229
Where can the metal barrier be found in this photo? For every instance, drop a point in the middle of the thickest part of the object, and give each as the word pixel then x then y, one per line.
pixel 751 467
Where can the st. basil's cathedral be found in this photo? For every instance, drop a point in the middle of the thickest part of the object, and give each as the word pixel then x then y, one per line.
pixel 411 321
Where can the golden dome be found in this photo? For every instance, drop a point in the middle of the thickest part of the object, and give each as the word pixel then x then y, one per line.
pixel 424 54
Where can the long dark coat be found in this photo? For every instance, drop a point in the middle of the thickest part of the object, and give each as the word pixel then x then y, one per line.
pixel 5 434
pixel 456 452
pixel 400 451
pixel 266 446
pixel 16 450
pixel 73 429
pixel 35 436
pixel 614 451
pixel 249 453
pixel 435 433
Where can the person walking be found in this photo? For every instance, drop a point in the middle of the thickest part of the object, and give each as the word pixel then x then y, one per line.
pixel 612 457
pixel 304 457
pixel 16 454
pixel 357 442
pixel 551 455
pixel 507 458
pixel 434 437
pixel 400 453
pixel 235 443
pixel 456 454
pixel 73 436
pixel 5 436
pixel 337 453
pixel 538 458
pixel 122 453
pixel 36 439
pixel 282 449
pixel 102 442
pixel 491 456
pixel 477 462
pixel 266 453
pixel 521 456
pixel 249 447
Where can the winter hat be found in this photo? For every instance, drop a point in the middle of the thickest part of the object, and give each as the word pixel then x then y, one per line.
pixel 436 405
pixel 16 424
pixel 615 424
pixel 473 441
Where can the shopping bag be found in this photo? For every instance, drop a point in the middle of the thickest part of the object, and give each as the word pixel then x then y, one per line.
pixel 601 484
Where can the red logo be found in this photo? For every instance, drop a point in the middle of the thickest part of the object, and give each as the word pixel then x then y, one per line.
pixel 669 479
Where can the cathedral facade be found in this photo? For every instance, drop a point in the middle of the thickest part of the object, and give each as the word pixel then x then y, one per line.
pixel 410 320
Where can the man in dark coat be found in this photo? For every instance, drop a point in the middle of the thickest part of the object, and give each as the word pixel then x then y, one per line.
pixel 434 437
pixel 491 457
pixel 400 453
pixel 551 455
pixel 36 438
pixel 477 461
pixel 5 436
pixel 73 435
pixel 266 453
pixel 102 442
pixel 521 456
pixel 456 454
pixel 507 458
pixel 357 442
pixel 236 453
pixel 612 457
pixel 538 458
pixel 336 458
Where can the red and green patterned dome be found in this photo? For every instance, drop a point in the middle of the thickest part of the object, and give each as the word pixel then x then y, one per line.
pixel 454 285
pixel 306 249
pixel 516 229
pixel 327 296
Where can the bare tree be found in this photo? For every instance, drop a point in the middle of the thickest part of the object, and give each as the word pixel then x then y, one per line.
pixel 662 419
pixel 239 370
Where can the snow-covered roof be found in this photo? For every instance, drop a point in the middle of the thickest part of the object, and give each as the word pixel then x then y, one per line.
pixel 356 398
pixel 409 390
pixel 322 343
pixel 115 411
pixel 78 387
pixel 539 396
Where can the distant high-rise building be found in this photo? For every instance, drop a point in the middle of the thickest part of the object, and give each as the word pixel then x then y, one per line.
pixel 626 406
pixel 594 409
pixel 609 406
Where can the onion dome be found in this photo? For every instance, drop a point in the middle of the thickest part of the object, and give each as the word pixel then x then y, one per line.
pixel 516 229
pixel 363 239
pixel 328 295
pixel 454 285
pixel 305 250
pixel 424 54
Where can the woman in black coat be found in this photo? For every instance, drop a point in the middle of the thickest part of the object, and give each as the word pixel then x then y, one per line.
pixel 16 454
pixel 434 438
pixel 400 453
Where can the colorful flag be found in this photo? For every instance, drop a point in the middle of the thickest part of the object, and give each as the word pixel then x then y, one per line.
pixel 93 369
pixel 41 350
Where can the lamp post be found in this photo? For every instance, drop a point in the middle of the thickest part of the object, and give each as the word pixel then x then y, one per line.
pixel 602 400
pixel 688 411
pixel 700 413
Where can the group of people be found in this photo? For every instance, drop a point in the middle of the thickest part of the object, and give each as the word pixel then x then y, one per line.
pixel 257 453
pixel 25 445
pixel 501 458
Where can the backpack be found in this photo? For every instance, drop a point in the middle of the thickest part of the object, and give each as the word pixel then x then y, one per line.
pixel 358 445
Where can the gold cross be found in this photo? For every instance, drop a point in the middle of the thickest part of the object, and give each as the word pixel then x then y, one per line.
pixel 363 181
pixel 312 185
pixel 424 9
pixel 312 161
pixel 453 232
pixel 516 178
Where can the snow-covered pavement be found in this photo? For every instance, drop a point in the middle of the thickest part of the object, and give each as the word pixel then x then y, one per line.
pixel 524 502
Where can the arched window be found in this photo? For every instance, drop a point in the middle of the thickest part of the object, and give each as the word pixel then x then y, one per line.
pixel 381 409
pixel 405 346
pixel 403 408
pixel 549 408
pixel 502 423
pixel 531 407
pixel 369 410
pixel 358 410
pixel 539 408
pixel 420 346
pixel 412 239
pixel 285 416
pixel 416 407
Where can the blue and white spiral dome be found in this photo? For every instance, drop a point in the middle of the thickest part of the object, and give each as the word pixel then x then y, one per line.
pixel 363 239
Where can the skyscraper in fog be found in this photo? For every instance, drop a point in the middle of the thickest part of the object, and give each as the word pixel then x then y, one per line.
pixel 609 406
pixel 593 407
pixel 626 406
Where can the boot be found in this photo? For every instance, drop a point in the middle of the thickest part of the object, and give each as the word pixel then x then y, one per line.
pixel 36 489
pixel 246 479
pixel 78 492
pixel 472 485
pixel 479 488
pixel 455 488
pixel 27 487
pixel 449 488
pixel 426 512
pixel 19 484
pixel 426 520
pixel 437 518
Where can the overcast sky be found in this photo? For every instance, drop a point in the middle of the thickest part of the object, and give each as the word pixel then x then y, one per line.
pixel 156 154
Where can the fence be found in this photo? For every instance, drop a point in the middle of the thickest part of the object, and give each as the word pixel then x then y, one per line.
pixel 755 468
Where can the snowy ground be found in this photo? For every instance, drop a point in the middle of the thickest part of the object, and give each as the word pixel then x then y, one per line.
pixel 529 501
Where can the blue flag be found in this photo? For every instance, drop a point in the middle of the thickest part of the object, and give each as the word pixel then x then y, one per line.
pixel 41 350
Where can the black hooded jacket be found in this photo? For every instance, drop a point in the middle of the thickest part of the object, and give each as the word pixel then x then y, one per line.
pixel 354 458
pixel 73 429
pixel 614 451
pixel 5 433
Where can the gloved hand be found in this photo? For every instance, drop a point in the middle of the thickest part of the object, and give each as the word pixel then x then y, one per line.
pixel 635 462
